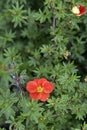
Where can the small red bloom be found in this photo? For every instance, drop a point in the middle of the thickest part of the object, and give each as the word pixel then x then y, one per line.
pixel 39 89
pixel 79 10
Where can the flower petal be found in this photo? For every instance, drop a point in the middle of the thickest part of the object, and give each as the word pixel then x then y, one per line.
pixel 75 10
pixel 82 9
pixel 44 96
pixel 35 96
pixel 31 86
pixel 39 96
pixel 48 87
pixel 40 81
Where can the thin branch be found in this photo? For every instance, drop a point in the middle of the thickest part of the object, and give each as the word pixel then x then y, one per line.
pixel 53 20
pixel 53 17
pixel 17 82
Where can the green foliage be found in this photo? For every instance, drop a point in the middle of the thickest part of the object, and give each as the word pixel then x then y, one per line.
pixel 43 39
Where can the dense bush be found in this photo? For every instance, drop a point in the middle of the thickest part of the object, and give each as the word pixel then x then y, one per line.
pixel 43 39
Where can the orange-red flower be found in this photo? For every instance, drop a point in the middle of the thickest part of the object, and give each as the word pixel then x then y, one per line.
pixel 79 10
pixel 39 89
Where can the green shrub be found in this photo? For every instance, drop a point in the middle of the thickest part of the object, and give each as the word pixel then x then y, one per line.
pixel 43 39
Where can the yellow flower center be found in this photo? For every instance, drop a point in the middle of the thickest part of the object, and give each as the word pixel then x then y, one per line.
pixel 39 89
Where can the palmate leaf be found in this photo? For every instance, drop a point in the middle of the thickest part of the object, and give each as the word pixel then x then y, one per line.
pixel 7 102
pixel 4 78
pixel 13 1
pixel 11 55
pixel 18 14
pixel 8 36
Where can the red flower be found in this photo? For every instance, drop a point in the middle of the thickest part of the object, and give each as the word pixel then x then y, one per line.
pixel 79 10
pixel 39 89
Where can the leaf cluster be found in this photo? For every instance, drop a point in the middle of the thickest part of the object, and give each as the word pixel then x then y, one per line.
pixel 43 39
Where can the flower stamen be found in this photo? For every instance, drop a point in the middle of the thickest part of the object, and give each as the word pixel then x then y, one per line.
pixel 39 89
